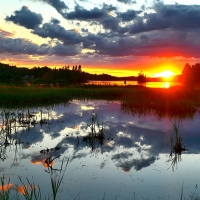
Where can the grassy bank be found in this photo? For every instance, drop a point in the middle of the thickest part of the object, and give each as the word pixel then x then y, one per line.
pixel 11 96
pixel 175 99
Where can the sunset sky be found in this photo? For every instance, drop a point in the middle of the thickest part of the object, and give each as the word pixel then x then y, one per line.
pixel 116 37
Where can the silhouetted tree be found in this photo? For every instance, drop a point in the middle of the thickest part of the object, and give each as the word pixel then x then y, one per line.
pixel 79 68
pixel 141 77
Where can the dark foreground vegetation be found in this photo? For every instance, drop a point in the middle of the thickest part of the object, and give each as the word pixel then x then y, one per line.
pixel 173 101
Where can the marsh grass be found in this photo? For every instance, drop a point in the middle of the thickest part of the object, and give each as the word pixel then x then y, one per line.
pixel 4 189
pixel 56 176
pixel 11 96
pixel 172 102
pixel 30 191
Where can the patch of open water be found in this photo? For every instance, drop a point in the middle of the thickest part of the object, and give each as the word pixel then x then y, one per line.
pixel 132 161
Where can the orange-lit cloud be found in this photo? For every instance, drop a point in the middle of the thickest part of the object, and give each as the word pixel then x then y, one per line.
pixel 45 164
pixel 6 33
pixel 36 162
pixel 22 189
pixel 125 170
pixel 5 187
pixel 76 127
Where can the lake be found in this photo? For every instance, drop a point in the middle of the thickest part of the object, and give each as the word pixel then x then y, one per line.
pixel 130 160
pixel 148 84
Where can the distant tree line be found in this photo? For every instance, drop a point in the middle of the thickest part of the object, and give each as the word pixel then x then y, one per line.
pixel 65 74
pixel 15 74
pixel 75 74
pixel 191 73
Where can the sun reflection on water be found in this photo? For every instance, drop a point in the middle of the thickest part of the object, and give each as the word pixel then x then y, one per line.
pixel 167 85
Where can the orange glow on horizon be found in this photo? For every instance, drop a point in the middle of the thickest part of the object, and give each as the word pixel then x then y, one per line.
pixel 165 74
pixel 149 68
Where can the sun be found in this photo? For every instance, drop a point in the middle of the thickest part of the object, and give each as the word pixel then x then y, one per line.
pixel 164 74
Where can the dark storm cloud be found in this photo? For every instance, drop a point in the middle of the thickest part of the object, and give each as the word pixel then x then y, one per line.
pixel 138 164
pixel 179 17
pixel 158 43
pixel 126 1
pixel 63 50
pixel 81 13
pixel 54 30
pixel 21 46
pixel 60 6
pixel 111 23
pixel 129 15
pixel 26 18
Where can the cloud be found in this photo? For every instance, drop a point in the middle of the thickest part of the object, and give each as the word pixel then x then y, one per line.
pixel 22 46
pixel 111 23
pixel 60 6
pixel 26 18
pixel 126 161
pixel 172 30
pixel 63 50
pixel 129 15
pixel 54 30
pixel 167 43
pixel 177 17
pixel 81 13
pixel 6 33
pixel 126 1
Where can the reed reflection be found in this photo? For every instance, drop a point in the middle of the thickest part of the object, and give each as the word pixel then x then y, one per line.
pixel 176 146
pixel 15 124
pixel 97 133
pixel 175 102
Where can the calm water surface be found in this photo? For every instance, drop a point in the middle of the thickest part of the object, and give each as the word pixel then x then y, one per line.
pixel 132 162
pixel 148 84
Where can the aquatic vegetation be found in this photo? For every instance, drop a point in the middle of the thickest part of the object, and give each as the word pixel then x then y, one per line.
pixel 30 190
pixel 96 136
pixel 56 176
pixel 176 146
pixel 5 189
pixel 97 133
pixel 172 102
pixel 175 143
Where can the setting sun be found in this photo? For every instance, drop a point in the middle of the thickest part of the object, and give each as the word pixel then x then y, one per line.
pixel 165 74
